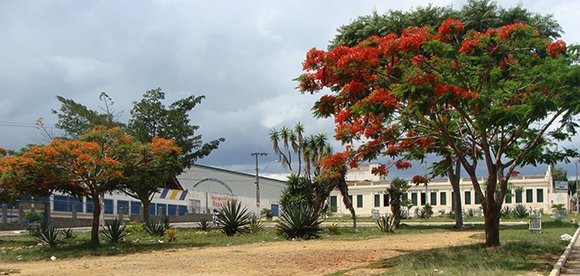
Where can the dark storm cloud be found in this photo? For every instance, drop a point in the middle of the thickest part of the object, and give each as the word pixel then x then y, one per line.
pixel 242 55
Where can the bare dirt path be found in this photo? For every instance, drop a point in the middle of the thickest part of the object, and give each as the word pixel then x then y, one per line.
pixel 283 258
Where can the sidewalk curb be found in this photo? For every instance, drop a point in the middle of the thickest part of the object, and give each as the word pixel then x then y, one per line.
pixel 564 257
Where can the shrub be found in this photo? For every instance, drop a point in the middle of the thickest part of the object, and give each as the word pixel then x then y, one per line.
pixel 425 212
pixel 233 218
pixel 171 234
pixel 114 231
pixel 267 213
pixel 31 217
pixel 48 234
pixel 506 212
pixel 469 213
pixel 256 225
pixel 299 221
pixel 333 229
pixel 386 224
pixel 133 227
pixel 155 227
pixel 520 211
pixel 204 224
pixel 451 215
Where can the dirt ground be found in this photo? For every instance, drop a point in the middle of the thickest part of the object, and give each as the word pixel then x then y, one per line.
pixel 313 257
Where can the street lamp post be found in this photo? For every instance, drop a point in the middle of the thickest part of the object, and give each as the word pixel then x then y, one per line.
pixel 257 154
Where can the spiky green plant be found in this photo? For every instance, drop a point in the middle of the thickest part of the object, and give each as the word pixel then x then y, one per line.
pixel 155 227
pixel 256 225
pixel 520 211
pixel 48 235
pixel 67 233
pixel 386 224
pixel 506 212
pixel 333 228
pixel 114 231
pixel 234 219
pixel 299 221
pixel 204 224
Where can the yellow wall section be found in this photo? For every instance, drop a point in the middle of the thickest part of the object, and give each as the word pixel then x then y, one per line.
pixel 174 193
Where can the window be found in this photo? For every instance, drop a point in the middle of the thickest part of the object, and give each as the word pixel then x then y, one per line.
pixel 89 207
pixel 182 209
pixel 529 195
pixel 540 195
pixel 377 200
pixel 161 209
pixel 359 201
pixel 333 202
pixel 386 200
pixel 508 197
pixel 171 210
pixel 123 207
pixel 467 197
pixel 433 198
pixel 152 209
pixel 135 207
pixel 109 209
pixel 477 199
pixel 405 196
pixel 518 196
pixel 414 199
pixel 62 204
pixel 423 198
pixel 443 198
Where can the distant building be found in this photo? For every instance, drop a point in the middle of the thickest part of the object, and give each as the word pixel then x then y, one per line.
pixel 198 190
pixel 368 193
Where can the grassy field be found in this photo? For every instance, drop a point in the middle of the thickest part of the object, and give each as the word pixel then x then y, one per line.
pixel 521 251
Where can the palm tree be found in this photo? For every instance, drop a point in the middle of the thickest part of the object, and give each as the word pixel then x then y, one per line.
pixel 396 189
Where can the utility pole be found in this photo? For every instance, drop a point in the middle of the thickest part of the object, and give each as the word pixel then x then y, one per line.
pixel 257 154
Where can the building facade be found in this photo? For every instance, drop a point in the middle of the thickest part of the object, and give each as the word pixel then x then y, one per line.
pixel 368 194
pixel 198 190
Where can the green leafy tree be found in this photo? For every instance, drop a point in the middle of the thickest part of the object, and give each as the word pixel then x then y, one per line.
pixel 507 95
pixel 478 15
pixel 150 118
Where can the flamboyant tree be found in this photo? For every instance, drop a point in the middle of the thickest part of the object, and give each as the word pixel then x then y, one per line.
pixel 103 160
pixel 498 97
pixel 476 15
pixel 86 167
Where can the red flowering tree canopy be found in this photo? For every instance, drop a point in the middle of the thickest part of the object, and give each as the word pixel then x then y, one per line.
pixel 502 95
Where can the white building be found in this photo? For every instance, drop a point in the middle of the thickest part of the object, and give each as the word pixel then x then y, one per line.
pixel 198 190
pixel 368 193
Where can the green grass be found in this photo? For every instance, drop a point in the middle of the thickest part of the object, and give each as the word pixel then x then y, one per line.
pixel 521 252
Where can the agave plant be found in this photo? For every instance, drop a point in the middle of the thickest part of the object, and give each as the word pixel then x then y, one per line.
pixel 114 231
pixel 256 225
pixel 299 221
pixel 386 224
pixel 520 211
pixel 506 212
pixel 204 224
pixel 155 227
pixel 233 219
pixel 48 234
pixel 333 228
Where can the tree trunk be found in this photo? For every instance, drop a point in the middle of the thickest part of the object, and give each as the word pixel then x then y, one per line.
pixel 346 199
pixel 96 216
pixel 146 204
pixel 454 178
pixel 492 215
pixel 396 210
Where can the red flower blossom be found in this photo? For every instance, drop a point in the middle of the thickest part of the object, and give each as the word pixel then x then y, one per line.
pixel 555 48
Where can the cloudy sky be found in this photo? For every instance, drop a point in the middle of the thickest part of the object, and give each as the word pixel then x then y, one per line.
pixel 242 55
